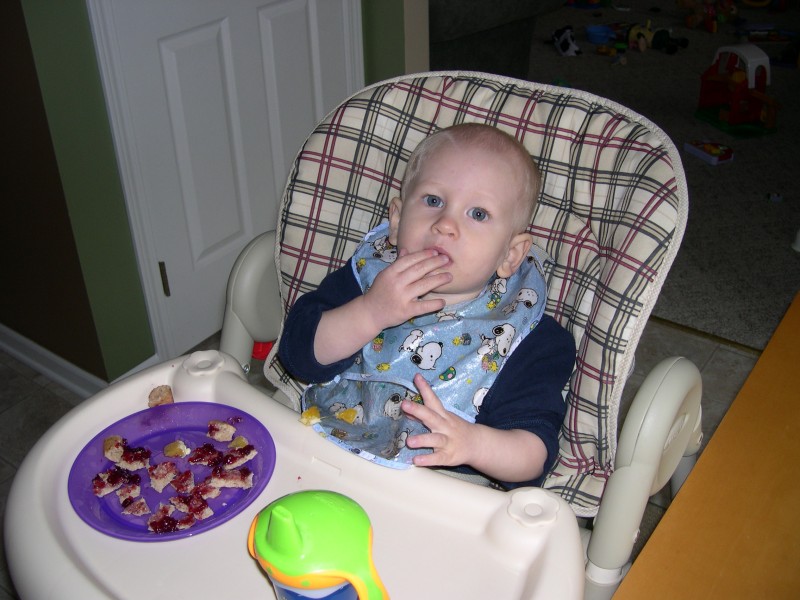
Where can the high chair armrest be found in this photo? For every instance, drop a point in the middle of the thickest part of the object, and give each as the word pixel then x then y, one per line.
pixel 253 304
pixel 663 422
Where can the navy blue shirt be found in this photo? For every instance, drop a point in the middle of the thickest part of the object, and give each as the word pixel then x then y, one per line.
pixel 526 394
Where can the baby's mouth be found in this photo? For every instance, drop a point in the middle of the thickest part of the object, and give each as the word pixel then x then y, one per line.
pixel 445 268
pixel 441 252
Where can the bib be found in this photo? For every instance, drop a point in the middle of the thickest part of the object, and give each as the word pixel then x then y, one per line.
pixel 459 350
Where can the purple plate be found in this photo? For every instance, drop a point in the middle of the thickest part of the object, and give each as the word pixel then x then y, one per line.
pixel 153 429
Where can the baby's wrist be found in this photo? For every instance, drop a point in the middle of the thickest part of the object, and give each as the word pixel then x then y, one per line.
pixel 370 317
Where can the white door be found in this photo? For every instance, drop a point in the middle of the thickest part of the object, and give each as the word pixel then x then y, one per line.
pixel 209 102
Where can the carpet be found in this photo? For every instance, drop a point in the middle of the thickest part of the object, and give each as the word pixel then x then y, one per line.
pixel 736 272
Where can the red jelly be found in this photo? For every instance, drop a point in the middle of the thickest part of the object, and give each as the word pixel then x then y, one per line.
pixel 184 482
pixel 133 455
pixel 164 524
pixel 206 454
pixel 237 456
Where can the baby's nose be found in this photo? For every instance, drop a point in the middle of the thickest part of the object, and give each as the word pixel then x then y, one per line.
pixel 446 225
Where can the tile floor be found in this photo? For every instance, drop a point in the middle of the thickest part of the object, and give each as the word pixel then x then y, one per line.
pixel 30 404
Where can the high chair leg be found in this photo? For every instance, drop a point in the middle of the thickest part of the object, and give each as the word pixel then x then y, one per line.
pixel 689 458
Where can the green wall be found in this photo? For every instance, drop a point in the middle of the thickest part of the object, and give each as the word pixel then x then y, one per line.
pixel 68 75
pixel 384 44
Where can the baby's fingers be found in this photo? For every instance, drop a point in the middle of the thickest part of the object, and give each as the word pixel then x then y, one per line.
pixel 424 307
pixel 419 264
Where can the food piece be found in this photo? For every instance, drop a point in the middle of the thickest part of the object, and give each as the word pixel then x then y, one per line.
pixel 206 455
pixel 192 504
pixel 136 508
pixel 205 490
pixel 348 415
pixel 160 395
pixel 236 457
pixel 162 474
pixel 109 481
pixel 310 416
pixel 183 483
pixel 185 522
pixel 221 431
pixel 238 442
pixel 161 521
pixel 177 449
pixel 129 490
pixel 237 478
pixel 113 446
pixel 134 459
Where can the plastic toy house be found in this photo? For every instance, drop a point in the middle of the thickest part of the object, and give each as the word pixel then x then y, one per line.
pixel 733 91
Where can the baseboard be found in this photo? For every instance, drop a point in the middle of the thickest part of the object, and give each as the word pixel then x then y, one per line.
pixel 57 369
pixel 50 365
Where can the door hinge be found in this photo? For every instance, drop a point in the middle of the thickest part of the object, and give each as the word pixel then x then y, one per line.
pixel 162 267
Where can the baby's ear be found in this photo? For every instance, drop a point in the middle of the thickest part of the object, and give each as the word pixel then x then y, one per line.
pixel 395 207
pixel 517 251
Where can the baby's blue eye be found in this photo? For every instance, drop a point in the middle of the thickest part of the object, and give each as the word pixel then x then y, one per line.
pixel 433 201
pixel 478 214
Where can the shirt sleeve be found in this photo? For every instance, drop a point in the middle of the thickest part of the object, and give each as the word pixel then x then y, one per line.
pixel 296 347
pixel 527 393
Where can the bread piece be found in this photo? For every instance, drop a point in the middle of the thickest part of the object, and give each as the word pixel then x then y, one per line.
pixel 193 505
pixel 183 483
pixel 160 395
pixel 135 508
pixel 237 478
pixel 236 457
pixel 162 475
pixel 113 447
pixel 221 431
pixel 134 459
pixel 109 481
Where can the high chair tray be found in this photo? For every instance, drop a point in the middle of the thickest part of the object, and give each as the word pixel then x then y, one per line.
pixel 433 536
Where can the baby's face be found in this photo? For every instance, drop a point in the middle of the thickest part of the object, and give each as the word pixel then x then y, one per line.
pixel 466 204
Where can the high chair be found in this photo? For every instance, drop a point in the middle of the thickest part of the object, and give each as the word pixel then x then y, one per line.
pixel 611 215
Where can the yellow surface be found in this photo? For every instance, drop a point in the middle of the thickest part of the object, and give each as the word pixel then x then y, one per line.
pixel 733 531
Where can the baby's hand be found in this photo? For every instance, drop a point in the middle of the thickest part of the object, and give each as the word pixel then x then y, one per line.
pixel 450 437
pixel 395 295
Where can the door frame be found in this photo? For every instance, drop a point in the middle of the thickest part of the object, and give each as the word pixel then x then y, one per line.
pixel 103 30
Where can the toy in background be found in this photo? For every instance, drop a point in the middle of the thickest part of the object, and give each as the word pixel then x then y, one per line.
pixel 782 45
pixel 642 37
pixel 316 544
pixel 608 40
pixel 713 153
pixel 708 13
pixel 774 5
pixel 564 41
pixel 733 91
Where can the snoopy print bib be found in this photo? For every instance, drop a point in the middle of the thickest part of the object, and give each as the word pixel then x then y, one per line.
pixel 459 351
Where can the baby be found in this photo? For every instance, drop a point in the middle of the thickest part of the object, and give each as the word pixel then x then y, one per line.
pixel 431 346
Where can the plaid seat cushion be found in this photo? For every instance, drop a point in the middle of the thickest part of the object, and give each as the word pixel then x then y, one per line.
pixel 611 214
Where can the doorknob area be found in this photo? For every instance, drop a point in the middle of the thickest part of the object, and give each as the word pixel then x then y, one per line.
pixel 162 268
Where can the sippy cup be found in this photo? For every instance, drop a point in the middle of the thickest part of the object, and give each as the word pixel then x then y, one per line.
pixel 316 544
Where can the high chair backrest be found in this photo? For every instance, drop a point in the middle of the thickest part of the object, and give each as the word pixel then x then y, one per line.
pixel 611 214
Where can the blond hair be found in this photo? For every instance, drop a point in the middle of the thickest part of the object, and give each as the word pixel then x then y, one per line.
pixel 487 137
